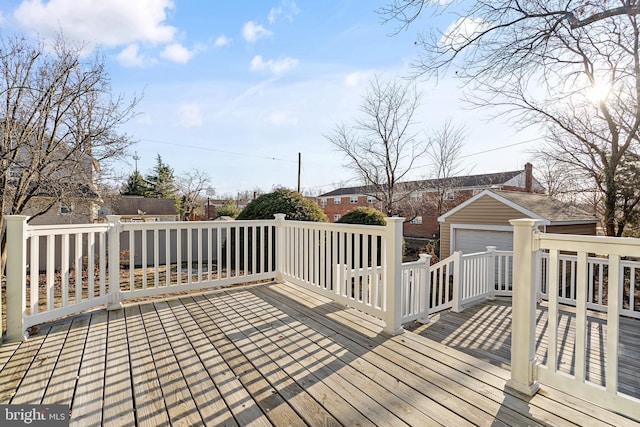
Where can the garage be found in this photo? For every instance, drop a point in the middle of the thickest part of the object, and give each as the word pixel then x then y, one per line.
pixel 483 220
pixel 470 240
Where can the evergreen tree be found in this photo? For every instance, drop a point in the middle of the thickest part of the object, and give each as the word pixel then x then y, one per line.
pixel 135 186
pixel 162 182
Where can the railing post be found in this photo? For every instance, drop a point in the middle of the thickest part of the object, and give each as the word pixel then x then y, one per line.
pixel 16 276
pixel 425 286
pixel 491 272
pixel 393 275
pixel 523 312
pixel 280 247
pixel 115 299
pixel 458 272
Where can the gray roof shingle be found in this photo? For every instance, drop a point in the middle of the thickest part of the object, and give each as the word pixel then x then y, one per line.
pixel 484 180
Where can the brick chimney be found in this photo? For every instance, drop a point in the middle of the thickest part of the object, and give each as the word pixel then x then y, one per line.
pixel 528 178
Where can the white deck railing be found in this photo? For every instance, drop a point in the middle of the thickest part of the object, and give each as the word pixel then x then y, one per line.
pixel 583 277
pixel 53 271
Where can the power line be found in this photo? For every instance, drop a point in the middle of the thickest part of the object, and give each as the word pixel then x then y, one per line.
pixel 502 147
pixel 195 147
pixel 461 157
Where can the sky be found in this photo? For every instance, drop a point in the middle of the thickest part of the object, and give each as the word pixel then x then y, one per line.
pixel 238 89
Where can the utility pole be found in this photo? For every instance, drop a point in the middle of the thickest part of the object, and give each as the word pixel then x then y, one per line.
pixel 299 168
pixel 136 158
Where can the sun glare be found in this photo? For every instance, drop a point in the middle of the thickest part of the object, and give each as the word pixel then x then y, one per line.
pixel 598 92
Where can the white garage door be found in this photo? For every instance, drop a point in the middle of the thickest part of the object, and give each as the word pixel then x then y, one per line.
pixel 470 241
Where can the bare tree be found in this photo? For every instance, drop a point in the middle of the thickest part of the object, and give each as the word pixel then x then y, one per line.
pixel 191 185
pixel 573 66
pixel 58 121
pixel 381 147
pixel 429 197
pixel 444 153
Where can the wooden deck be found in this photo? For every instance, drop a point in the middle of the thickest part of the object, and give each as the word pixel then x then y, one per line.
pixel 484 331
pixel 266 355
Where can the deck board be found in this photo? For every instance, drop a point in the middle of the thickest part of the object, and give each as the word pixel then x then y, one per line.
pixel 449 328
pixel 148 400
pixel 280 355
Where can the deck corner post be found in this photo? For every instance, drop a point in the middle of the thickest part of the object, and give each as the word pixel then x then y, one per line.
pixel 491 272
pixel 280 247
pixel 16 275
pixel 393 276
pixel 523 362
pixel 115 297
pixel 458 272
pixel 425 287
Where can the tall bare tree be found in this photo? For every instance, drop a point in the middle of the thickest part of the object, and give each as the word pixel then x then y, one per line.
pixel 382 147
pixel 572 66
pixel 58 121
pixel 444 153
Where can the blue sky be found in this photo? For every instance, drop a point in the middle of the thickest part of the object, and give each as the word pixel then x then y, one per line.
pixel 238 89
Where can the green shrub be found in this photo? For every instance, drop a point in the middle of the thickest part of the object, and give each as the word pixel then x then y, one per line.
pixel 293 204
pixel 363 215
pixel 229 208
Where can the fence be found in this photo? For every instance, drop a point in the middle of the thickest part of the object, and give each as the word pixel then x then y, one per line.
pixel 53 271
pixel 578 279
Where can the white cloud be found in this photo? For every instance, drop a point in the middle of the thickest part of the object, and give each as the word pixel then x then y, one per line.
pixel 1 18
pixel 177 53
pixel 222 41
pixel 273 14
pixel 462 31
pixel 355 79
pixel 110 23
pixel 253 32
pixel 277 66
pixel 279 118
pixel 287 9
pixel 190 115
pixel 131 57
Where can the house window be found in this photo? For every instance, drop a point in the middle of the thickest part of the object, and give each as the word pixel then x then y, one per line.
pixel 370 199
pixel 416 197
pixel 323 202
pixel 336 217
pixel 449 195
pixel 336 200
pixel 66 208
pixel 417 220
pixel 353 200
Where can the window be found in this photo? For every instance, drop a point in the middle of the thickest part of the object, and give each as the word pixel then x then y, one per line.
pixel 323 202
pixel 336 217
pixel 66 208
pixel 417 220
pixel 449 195
pixel 370 199
pixel 416 197
pixel 353 200
pixel 15 172
pixel 336 200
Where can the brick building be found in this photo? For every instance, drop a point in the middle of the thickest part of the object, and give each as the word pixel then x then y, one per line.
pixel 422 202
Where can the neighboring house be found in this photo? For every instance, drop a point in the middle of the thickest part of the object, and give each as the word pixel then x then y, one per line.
pixel 483 220
pixel 140 209
pixel 79 203
pixel 421 199
pixel 79 207
pixel 56 184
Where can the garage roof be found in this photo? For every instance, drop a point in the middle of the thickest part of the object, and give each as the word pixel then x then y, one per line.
pixel 536 206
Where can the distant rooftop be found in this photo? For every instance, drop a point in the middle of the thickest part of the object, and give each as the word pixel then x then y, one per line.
pixel 469 181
